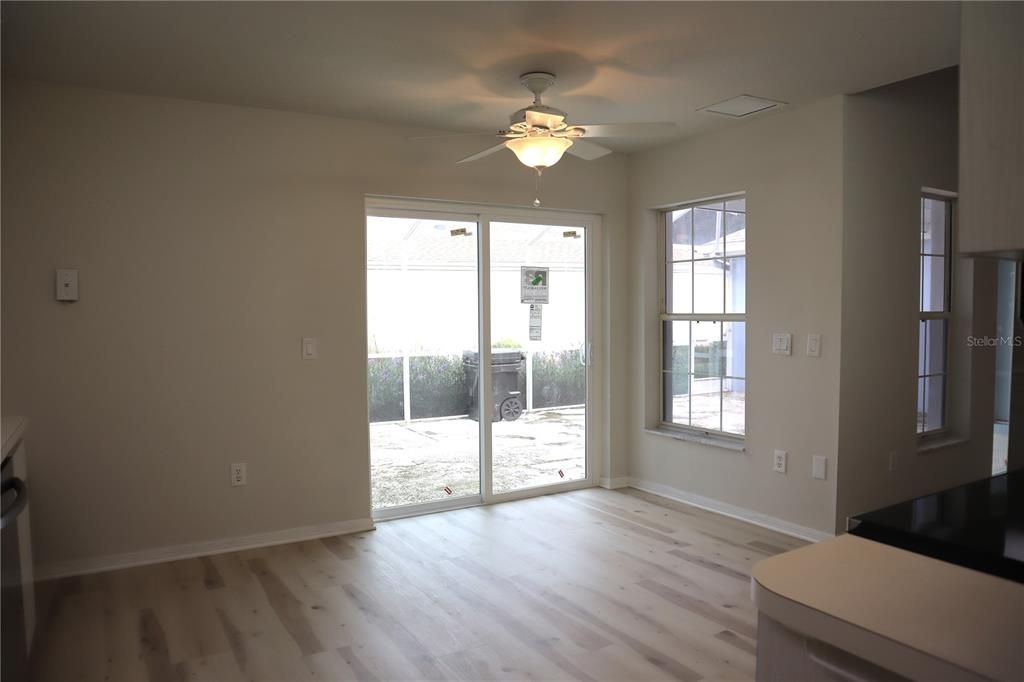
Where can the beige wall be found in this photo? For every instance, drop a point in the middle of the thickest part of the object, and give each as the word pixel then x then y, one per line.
pixel 992 155
pixel 209 240
pixel 833 207
pixel 790 166
pixel 992 128
pixel 898 139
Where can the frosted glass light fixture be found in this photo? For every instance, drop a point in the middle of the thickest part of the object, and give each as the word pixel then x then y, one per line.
pixel 539 151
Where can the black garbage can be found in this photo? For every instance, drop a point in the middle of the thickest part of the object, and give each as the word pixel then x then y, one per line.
pixel 506 367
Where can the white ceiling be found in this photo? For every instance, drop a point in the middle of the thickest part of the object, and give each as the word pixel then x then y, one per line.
pixel 455 66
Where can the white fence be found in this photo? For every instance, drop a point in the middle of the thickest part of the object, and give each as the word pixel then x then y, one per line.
pixel 529 356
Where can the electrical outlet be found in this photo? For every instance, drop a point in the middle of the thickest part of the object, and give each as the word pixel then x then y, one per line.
pixel 814 345
pixel 779 463
pixel 819 467
pixel 238 476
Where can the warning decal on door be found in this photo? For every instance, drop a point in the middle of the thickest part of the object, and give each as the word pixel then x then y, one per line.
pixel 534 285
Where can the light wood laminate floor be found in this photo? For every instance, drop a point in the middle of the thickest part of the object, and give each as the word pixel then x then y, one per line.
pixel 587 585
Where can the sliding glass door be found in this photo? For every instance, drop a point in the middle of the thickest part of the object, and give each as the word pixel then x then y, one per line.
pixel 478 355
pixel 422 322
pixel 539 315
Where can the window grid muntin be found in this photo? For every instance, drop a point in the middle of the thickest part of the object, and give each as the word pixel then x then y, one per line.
pixel 667 375
pixel 944 315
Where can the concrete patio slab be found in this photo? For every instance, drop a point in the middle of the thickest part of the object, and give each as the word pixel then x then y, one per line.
pixel 412 462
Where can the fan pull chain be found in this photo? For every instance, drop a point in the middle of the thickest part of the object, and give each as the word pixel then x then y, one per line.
pixel 536 189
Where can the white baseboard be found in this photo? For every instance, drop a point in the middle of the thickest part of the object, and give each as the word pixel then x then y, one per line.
pixel 725 509
pixel 72 567
pixel 156 555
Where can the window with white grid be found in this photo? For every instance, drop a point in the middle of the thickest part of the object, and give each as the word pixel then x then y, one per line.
pixel 934 304
pixel 703 319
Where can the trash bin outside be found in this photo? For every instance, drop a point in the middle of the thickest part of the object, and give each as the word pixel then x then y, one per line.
pixel 507 400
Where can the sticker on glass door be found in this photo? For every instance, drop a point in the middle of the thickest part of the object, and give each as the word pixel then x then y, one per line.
pixel 533 283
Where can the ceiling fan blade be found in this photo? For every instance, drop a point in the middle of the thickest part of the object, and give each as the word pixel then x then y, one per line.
pixel 587 150
pixel 486 152
pixel 628 129
pixel 489 133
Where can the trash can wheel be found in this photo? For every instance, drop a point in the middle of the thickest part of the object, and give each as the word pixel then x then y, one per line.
pixel 511 409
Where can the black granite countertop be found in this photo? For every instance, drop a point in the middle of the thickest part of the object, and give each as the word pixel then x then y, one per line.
pixel 979 525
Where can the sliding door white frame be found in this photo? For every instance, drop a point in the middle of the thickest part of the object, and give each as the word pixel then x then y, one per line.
pixel 484 215
pixel 484 409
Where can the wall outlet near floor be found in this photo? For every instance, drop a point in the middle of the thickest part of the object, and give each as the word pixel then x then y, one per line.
pixel 779 462
pixel 238 476
pixel 819 467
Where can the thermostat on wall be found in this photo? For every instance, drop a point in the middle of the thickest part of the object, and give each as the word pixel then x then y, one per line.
pixel 67 285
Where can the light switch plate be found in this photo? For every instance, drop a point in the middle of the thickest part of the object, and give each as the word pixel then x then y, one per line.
pixel 779 461
pixel 819 467
pixel 67 285
pixel 309 350
pixel 782 343
pixel 814 345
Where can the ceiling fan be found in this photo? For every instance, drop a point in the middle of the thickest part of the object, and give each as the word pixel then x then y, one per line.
pixel 538 135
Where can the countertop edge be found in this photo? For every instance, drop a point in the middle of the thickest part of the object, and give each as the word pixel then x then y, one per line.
pixel 881 648
pixel 878 649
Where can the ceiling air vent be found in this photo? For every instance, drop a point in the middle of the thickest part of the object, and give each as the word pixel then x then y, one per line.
pixel 741 106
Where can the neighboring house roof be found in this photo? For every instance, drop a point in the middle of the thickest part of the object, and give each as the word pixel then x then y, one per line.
pixel 422 243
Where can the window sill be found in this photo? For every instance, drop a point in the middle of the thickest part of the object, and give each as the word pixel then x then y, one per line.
pixel 713 441
pixel 939 441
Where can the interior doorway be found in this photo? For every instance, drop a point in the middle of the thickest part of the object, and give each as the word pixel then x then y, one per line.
pixel 1005 341
pixel 450 293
